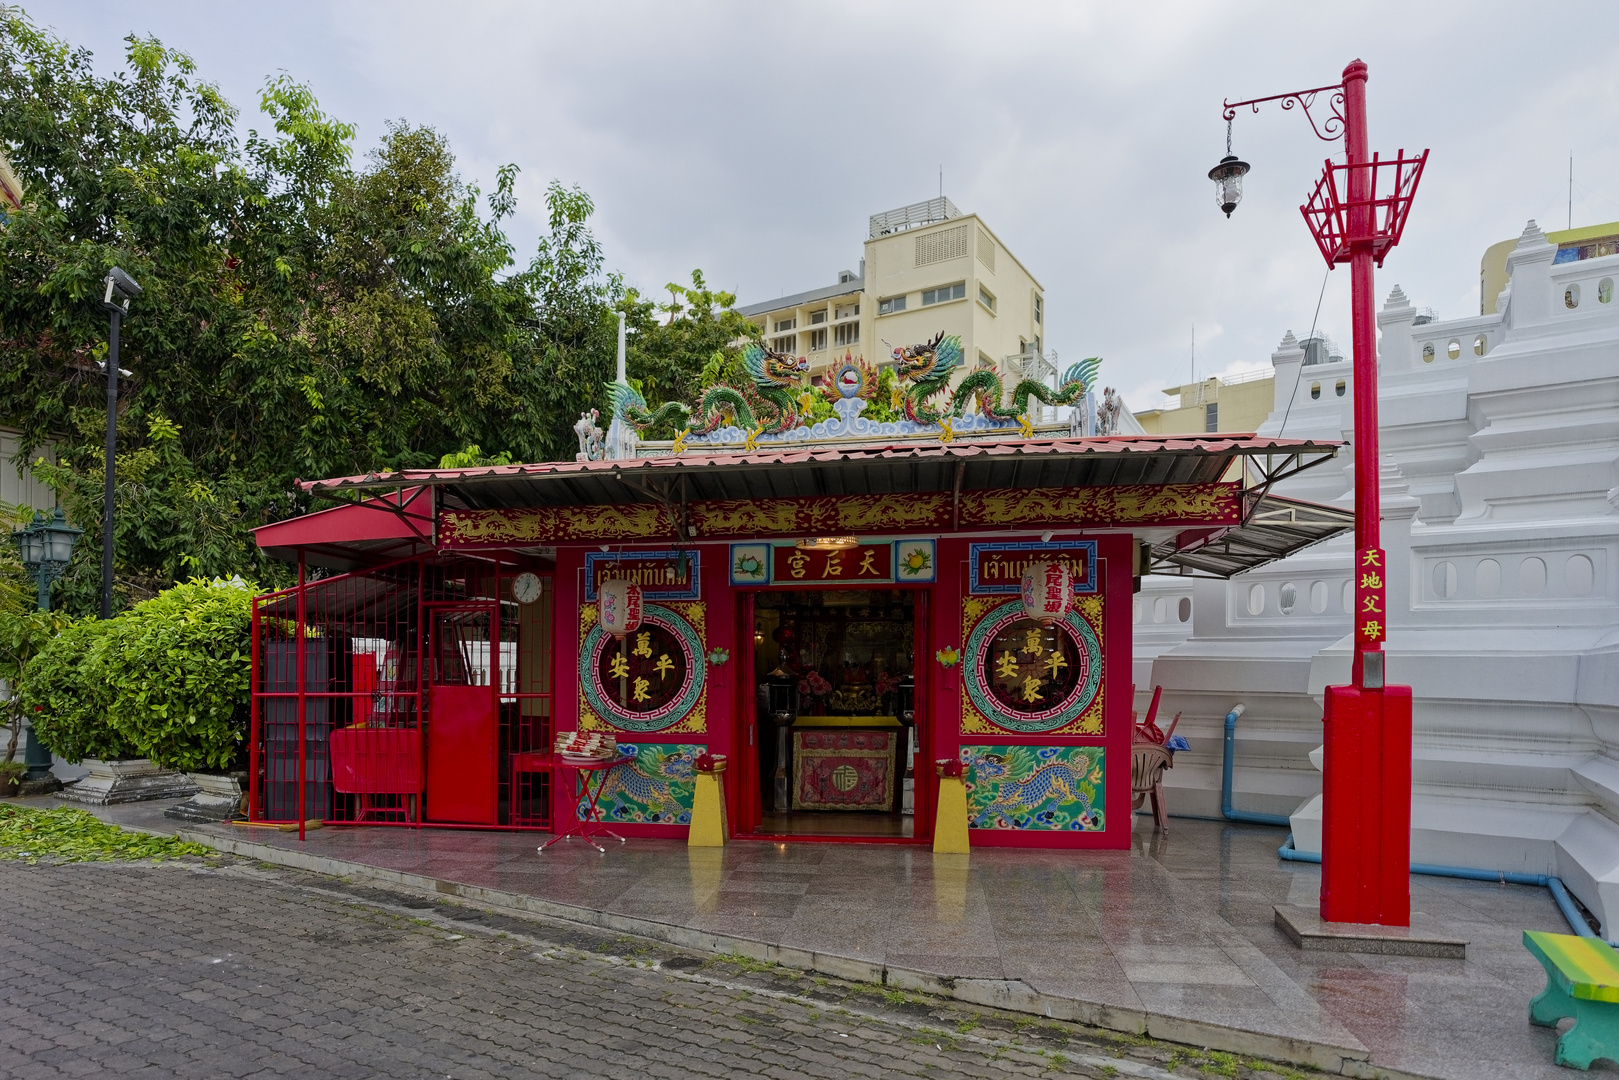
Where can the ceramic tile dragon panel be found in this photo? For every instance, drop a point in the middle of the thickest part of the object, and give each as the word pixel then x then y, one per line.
pixel 1051 788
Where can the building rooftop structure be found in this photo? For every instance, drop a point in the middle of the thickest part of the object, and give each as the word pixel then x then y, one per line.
pixel 926 268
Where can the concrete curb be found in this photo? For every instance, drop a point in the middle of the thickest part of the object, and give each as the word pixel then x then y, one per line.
pixel 1011 995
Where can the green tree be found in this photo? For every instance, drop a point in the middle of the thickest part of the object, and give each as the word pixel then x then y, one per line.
pixel 699 343
pixel 304 315
pixel 576 330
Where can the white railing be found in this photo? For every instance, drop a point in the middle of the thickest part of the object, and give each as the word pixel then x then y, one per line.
pixel 913 216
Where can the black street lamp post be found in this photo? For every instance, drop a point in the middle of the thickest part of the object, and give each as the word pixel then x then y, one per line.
pixel 121 289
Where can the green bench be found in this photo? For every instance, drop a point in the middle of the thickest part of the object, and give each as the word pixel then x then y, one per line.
pixel 1582 981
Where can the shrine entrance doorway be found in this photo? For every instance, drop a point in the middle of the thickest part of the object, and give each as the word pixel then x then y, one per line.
pixel 835 708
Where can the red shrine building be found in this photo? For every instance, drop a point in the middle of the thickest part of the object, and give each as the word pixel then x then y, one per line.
pixel 833 616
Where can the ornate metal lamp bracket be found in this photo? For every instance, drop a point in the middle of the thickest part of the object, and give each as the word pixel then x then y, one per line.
pixel 1331 129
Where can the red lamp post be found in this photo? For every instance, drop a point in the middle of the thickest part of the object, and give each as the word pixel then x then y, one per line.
pixel 1366 805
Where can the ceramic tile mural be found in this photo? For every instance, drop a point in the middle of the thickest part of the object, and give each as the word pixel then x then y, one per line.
pixel 1035 787
pixel 655 789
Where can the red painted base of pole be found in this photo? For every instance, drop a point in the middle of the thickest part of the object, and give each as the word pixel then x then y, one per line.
pixel 1366 806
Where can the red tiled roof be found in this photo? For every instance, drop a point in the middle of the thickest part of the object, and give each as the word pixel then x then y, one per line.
pixel 1223 447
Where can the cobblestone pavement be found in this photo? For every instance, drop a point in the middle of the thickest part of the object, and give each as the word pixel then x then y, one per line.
pixel 224 968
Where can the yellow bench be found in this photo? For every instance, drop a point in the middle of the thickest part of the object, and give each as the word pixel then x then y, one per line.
pixel 1582 981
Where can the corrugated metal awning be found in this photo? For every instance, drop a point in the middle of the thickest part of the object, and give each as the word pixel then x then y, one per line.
pixel 1273 529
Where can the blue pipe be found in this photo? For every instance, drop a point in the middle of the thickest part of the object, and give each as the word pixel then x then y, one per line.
pixel 1559 891
pixel 1227 762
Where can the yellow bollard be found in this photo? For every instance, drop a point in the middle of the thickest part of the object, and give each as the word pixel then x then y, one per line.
pixel 709 827
pixel 950 826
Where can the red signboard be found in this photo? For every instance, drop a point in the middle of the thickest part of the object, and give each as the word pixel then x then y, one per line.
pixel 869 562
pixel 1371 615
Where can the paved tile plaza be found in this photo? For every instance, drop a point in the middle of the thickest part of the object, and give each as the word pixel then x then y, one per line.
pixel 1175 935
pixel 236 970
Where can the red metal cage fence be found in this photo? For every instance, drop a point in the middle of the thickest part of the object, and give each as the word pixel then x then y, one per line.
pixel 342 729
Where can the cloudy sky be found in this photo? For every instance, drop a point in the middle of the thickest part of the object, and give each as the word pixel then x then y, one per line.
pixel 754 139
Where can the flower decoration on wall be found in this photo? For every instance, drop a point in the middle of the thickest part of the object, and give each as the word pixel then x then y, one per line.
pixel 948 657
pixel 718 656
pixel 949 768
pixel 710 763
pixel 749 563
pixel 814 685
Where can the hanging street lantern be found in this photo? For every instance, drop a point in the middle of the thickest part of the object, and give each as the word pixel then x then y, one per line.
pixel 620 604
pixel 1227 177
pixel 1048 588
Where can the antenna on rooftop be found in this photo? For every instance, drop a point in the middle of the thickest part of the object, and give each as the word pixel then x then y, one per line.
pixel 1570 177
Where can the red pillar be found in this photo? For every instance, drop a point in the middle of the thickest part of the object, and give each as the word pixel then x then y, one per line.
pixel 1366 804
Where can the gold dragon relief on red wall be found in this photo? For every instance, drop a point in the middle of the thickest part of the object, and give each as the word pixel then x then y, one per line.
pixel 878 513
pixel 1141 504
pixel 1217 503
pixel 760 517
pixel 479 528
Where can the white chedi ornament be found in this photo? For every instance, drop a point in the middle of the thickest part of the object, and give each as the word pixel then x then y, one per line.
pixel 619 602
pixel 1048 587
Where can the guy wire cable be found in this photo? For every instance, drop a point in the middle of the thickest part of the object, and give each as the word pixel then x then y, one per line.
pixel 1299 374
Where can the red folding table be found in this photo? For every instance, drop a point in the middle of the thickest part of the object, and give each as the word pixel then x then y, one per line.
pixel 582 785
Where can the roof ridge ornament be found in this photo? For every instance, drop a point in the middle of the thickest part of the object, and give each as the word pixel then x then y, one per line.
pixel 770 411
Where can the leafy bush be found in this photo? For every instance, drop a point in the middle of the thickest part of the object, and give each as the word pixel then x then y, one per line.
pixel 167 680
pixel 181 684
pixel 66 693
pixel 22 634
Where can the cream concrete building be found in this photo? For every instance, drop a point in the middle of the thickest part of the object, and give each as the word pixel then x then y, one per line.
pixel 1243 403
pixel 926 268
pixel 1237 404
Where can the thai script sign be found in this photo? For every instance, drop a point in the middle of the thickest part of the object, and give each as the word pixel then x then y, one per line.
pixel 662 575
pixel 997 569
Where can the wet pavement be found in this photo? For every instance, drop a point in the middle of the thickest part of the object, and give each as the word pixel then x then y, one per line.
pixel 1175 936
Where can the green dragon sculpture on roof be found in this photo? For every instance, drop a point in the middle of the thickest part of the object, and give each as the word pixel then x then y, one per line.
pixel 765 407
pixel 930 366
pixel 778 393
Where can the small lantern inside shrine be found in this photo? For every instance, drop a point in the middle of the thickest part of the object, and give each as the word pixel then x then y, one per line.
pixel 1047 590
pixel 620 605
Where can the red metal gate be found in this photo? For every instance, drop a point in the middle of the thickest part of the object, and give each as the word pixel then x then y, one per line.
pixel 462 740
pixel 422 690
